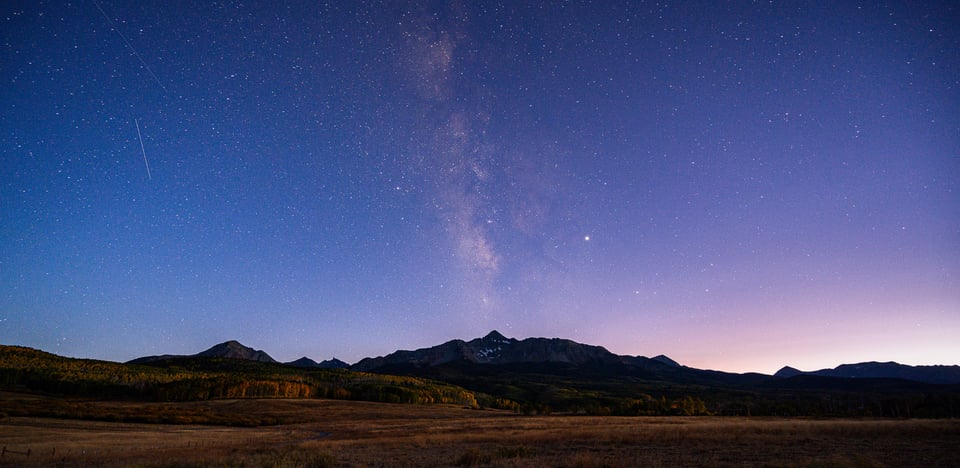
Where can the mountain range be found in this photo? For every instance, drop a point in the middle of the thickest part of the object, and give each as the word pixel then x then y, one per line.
pixel 532 375
pixel 495 351
pixel 883 370
pixel 234 350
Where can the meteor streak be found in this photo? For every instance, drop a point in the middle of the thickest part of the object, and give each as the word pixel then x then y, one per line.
pixel 127 42
pixel 143 151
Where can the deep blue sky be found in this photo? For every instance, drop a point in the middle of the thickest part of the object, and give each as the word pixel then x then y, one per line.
pixel 738 185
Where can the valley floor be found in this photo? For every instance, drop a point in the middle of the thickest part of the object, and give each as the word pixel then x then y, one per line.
pixel 340 433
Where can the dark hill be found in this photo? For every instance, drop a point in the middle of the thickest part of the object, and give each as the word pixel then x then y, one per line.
pixel 234 350
pixel 787 372
pixel 553 356
pixel 666 360
pixel 308 363
pixel 304 362
pixel 229 349
pixel 495 349
pixel 334 364
pixel 884 370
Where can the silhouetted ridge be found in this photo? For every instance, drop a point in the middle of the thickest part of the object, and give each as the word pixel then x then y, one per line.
pixel 787 371
pixel 664 359
pixel 333 364
pixel 495 336
pixel 232 349
pixel 304 362
pixel 498 350
pixel 494 348
pixel 883 370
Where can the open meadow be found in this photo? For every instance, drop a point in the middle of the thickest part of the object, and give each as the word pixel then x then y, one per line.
pixel 343 433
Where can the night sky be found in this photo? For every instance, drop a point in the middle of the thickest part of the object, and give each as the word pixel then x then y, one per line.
pixel 737 185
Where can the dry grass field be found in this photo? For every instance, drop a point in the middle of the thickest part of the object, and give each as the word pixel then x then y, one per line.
pixel 340 433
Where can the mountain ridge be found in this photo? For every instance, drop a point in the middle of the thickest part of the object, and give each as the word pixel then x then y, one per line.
pixel 233 349
pixel 493 348
pixel 636 386
pixel 498 350
pixel 936 374
pixel 308 363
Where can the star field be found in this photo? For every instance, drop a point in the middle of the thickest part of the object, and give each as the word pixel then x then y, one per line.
pixel 738 186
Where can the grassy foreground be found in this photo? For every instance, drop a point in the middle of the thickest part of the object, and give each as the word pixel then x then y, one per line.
pixel 345 433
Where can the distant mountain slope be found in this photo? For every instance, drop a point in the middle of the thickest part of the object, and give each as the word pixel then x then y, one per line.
pixel 334 364
pixel 229 349
pixel 495 353
pixel 884 370
pixel 308 363
pixel 304 362
pixel 494 348
pixel 787 372
pixel 666 360
pixel 234 350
